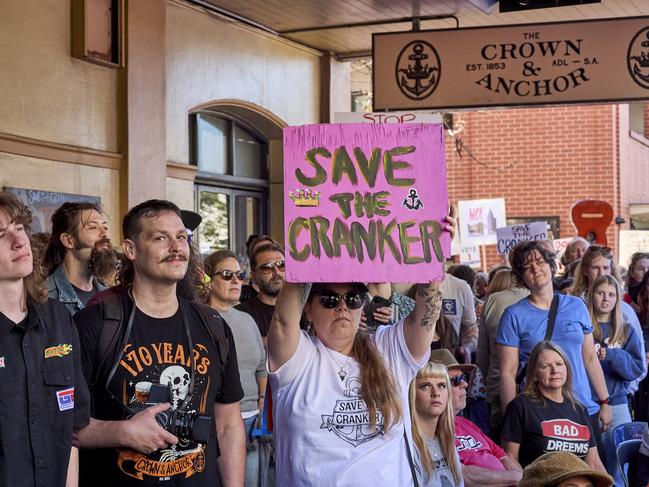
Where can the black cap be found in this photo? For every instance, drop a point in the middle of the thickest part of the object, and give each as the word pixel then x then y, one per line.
pixel 190 219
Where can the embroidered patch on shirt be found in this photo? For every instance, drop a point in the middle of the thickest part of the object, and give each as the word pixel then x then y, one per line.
pixel 2 361
pixel 58 351
pixel 65 399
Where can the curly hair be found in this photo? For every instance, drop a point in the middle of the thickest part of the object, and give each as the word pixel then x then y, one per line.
pixel 18 212
pixel 519 257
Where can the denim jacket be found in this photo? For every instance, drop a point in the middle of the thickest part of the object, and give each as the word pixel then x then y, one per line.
pixel 59 288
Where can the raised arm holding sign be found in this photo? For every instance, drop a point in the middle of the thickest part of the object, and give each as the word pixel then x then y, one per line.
pixel 340 397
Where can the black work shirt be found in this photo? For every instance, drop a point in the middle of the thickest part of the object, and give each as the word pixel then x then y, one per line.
pixel 43 396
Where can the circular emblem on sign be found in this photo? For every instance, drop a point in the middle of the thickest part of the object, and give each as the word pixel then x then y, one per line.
pixel 418 70
pixel 638 58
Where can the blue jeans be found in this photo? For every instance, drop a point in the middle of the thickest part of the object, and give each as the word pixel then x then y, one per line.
pixel 621 415
pixel 252 454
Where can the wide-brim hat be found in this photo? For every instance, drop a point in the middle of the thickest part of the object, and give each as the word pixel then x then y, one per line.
pixel 554 467
pixel 190 219
pixel 445 357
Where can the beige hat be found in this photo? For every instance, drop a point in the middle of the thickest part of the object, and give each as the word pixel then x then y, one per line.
pixel 552 468
pixel 444 356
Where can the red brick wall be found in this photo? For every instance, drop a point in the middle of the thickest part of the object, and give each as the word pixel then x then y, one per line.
pixel 541 160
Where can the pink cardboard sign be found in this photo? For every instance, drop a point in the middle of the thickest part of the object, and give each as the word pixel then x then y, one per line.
pixel 365 203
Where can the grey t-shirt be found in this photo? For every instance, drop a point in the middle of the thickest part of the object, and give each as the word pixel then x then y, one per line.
pixel 442 476
pixel 251 356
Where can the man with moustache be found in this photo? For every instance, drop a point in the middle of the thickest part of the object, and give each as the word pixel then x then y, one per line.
pixel 164 340
pixel 79 241
pixel 267 264
pixel 43 394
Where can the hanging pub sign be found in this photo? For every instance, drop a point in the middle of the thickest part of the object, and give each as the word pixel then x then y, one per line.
pixel 531 64
pixel 365 203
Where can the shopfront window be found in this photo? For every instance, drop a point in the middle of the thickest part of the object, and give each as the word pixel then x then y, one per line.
pixel 231 182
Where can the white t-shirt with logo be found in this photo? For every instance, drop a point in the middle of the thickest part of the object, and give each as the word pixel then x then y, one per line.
pixel 323 435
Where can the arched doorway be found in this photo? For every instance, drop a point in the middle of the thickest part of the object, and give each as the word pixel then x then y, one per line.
pixel 236 147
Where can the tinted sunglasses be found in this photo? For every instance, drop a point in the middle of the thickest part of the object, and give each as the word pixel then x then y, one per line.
pixel 353 299
pixel 227 275
pixel 457 380
pixel 605 251
pixel 267 268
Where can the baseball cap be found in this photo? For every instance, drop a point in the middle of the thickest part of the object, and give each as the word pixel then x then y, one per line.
pixel 190 219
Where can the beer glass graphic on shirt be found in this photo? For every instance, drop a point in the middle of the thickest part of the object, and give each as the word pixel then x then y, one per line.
pixel 142 390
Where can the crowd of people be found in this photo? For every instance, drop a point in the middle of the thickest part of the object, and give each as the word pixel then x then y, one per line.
pixel 154 365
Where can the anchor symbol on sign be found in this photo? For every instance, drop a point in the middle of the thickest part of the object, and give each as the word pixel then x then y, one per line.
pixel 418 72
pixel 412 201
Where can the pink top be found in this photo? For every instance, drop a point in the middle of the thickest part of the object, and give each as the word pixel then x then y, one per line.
pixel 475 448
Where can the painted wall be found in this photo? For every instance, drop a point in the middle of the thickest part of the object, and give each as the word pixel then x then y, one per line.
pixel 44 93
pixel 634 165
pixel 210 59
pixel 181 192
pixel 27 172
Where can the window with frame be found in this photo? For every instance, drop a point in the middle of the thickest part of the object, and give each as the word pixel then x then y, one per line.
pixel 231 191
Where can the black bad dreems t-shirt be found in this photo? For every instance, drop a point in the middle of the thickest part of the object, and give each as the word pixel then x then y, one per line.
pixel 542 427
pixel 157 353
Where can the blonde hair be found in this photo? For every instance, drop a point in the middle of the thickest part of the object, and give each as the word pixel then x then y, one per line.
pixel 580 287
pixel 618 331
pixel 445 431
pixel 531 388
pixel 502 280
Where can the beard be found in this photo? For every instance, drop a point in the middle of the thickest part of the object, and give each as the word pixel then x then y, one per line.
pixel 105 261
pixel 269 287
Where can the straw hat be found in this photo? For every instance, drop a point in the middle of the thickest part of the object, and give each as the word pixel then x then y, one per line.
pixel 552 468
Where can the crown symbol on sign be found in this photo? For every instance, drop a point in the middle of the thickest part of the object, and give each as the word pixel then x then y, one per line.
pixel 305 197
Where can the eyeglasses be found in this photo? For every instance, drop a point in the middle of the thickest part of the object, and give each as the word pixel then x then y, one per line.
pixel 353 299
pixel 457 380
pixel 267 268
pixel 227 275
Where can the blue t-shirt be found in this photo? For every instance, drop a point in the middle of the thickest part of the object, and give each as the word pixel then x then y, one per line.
pixel 523 325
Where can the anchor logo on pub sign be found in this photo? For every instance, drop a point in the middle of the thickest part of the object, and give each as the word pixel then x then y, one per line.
pixel 418 70
pixel 638 58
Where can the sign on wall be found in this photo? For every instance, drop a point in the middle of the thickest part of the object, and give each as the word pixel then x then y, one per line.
pixel 365 202
pixel 565 62
pixel 479 220
pixel 392 117
pixel 44 203
pixel 508 237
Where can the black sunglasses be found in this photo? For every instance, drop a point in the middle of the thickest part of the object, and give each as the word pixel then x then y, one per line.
pixel 353 299
pixel 457 380
pixel 227 275
pixel 267 268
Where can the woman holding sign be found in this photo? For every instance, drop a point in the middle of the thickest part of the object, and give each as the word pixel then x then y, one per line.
pixel 341 397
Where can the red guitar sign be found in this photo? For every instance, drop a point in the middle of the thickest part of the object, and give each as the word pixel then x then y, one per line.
pixel 592 218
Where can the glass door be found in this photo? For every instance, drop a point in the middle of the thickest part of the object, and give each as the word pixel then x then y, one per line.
pixel 229 217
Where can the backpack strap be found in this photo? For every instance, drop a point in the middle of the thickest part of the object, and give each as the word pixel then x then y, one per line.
pixel 112 313
pixel 215 325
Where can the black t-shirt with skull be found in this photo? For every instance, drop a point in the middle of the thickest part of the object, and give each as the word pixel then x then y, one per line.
pixel 157 353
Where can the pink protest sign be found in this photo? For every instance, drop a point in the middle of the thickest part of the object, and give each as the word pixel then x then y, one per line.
pixel 365 203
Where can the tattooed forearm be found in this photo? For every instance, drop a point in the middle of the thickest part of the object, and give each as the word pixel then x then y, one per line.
pixel 432 301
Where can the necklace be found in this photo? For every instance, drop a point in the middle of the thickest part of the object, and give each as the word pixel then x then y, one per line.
pixel 342 373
